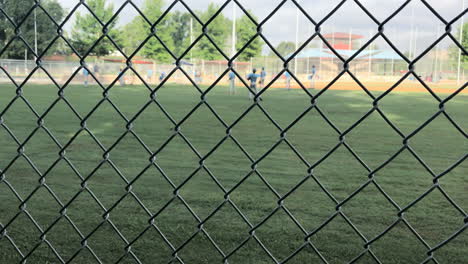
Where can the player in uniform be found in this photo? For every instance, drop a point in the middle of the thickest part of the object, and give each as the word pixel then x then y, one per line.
pixel 86 76
pixel 262 78
pixel 252 77
pixel 312 76
pixel 232 84
pixel 149 75
pixel 288 80
pixel 162 76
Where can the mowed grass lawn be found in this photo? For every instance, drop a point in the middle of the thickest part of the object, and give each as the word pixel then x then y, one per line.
pixel 404 179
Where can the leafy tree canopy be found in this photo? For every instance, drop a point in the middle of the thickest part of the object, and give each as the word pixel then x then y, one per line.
pixel 139 29
pixel 46 31
pixel 87 29
pixel 246 29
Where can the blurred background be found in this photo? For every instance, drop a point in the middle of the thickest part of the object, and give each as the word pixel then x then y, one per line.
pixel 412 31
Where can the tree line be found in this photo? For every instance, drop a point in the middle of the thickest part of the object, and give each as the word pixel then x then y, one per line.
pixel 172 32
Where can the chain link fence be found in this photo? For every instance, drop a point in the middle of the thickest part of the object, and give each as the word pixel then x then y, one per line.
pixel 380 71
pixel 186 232
pixel 107 71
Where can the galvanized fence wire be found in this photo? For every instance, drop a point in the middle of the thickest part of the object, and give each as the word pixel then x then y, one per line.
pixel 178 132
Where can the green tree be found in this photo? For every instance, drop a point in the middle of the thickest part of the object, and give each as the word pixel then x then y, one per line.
pixel 284 48
pixel 46 31
pixel 218 31
pixel 246 29
pixel 454 50
pixel 87 30
pixel 139 29
pixel 180 33
pixel 133 37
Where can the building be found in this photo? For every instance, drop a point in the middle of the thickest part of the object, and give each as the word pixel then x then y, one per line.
pixel 342 41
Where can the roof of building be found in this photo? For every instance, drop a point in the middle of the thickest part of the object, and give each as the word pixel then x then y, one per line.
pixel 365 54
pixel 349 53
pixel 313 53
pixel 342 35
pixel 385 55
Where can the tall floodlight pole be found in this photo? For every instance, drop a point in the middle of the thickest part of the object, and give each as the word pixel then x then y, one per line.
pixel 440 65
pixel 191 38
pixel 460 40
pixel 441 56
pixel 191 42
pixel 370 53
pixel 393 60
pixel 233 48
pixel 434 76
pixel 350 44
pixel 320 56
pixel 35 33
pixel 333 41
pixel 297 40
pixel 411 56
pixel 311 30
pixel 415 43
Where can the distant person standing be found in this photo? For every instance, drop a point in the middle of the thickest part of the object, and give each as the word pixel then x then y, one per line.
pixel 232 82
pixel 96 71
pixel 262 78
pixel 149 75
pixel 198 78
pixel 288 80
pixel 252 77
pixel 121 77
pixel 162 76
pixel 313 71
pixel 86 76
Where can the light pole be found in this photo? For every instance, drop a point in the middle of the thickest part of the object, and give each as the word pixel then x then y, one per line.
pixel 415 43
pixel 370 54
pixel 297 39
pixel 460 40
pixel 434 75
pixel 191 50
pixel 233 48
pixel 35 33
pixel 412 32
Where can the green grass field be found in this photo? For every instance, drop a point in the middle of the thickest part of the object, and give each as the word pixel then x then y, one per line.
pixel 404 179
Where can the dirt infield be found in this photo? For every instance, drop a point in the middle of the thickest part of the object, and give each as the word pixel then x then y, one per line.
pixel 374 83
pixel 405 86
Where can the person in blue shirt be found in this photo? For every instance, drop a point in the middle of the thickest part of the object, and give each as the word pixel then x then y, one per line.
pixel 162 76
pixel 262 78
pixel 121 77
pixel 232 84
pixel 288 80
pixel 86 76
pixel 312 76
pixel 149 74
pixel 252 77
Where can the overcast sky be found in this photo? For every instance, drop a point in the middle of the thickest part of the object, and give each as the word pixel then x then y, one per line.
pixel 349 18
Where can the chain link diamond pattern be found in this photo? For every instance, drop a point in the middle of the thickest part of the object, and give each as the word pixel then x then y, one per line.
pixel 178 132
